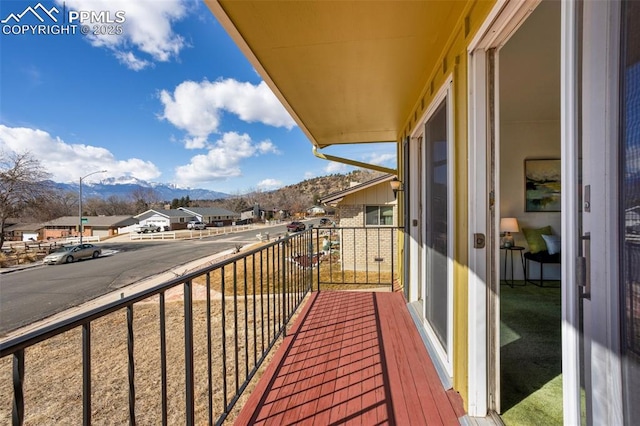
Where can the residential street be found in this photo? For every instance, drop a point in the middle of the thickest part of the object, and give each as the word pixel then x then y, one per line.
pixel 38 292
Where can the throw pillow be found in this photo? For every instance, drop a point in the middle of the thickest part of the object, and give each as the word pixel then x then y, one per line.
pixel 534 238
pixel 553 243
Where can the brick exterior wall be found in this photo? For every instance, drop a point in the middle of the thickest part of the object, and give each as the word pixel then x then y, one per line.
pixel 366 248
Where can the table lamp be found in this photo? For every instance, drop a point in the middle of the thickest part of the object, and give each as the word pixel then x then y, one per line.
pixel 508 225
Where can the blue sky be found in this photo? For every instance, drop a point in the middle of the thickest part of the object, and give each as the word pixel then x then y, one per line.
pixel 171 99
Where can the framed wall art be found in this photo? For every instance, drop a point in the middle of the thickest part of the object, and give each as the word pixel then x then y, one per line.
pixel 542 185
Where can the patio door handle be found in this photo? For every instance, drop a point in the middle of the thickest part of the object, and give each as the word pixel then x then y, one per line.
pixel 583 267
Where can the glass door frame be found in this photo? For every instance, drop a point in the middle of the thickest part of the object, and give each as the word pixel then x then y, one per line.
pixel 594 80
pixel 443 352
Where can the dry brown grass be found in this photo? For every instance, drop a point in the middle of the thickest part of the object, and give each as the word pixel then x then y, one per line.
pixel 53 369
pixel 18 257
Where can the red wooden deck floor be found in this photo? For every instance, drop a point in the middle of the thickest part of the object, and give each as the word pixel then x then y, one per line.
pixel 352 358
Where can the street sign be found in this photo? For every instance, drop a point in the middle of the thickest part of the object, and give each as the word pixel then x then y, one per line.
pixel 85 220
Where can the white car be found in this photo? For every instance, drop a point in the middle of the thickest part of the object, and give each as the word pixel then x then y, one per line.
pixel 143 229
pixel 194 224
pixel 72 253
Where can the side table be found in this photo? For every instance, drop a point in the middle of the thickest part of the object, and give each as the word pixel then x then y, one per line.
pixel 509 253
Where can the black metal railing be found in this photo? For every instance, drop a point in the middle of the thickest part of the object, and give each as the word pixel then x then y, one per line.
pixel 185 350
pixel 128 352
pixel 352 257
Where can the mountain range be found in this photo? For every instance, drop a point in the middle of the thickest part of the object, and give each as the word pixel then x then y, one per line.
pixel 123 187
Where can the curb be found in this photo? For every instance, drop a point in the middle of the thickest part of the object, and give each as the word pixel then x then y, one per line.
pixel 120 293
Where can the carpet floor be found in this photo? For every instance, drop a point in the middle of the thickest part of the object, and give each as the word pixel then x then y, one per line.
pixel 531 355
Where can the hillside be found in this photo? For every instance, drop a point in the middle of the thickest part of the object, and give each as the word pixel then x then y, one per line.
pixel 297 197
pixel 325 185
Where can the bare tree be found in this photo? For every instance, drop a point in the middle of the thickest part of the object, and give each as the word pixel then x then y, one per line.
pixel 53 204
pixel 144 198
pixel 119 206
pixel 22 181
pixel 94 206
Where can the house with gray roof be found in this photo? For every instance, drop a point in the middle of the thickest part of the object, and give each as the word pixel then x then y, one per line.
pixel 214 216
pixel 171 219
pixel 102 226
pixel 24 232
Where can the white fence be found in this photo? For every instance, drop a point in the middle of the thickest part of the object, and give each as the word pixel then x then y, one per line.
pixel 218 230
pixel 152 236
pixel 76 240
pixel 189 233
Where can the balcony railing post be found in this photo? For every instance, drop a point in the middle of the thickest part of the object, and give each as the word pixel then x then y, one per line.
pixel 163 359
pixel 223 326
pixel 18 382
pixel 86 374
pixel 310 254
pixel 393 257
pixel 188 353
pixel 284 288
pixel 131 366
pixel 209 350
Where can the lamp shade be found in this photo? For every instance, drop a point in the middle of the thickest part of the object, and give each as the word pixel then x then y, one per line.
pixel 509 224
pixel 396 185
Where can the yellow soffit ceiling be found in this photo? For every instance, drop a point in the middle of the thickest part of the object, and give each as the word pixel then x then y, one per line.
pixel 347 71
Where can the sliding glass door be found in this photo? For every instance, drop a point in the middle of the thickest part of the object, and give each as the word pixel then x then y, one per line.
pixel 437 222
pixel 629 213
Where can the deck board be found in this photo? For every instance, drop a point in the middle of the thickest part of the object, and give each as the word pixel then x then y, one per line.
pixel 352 358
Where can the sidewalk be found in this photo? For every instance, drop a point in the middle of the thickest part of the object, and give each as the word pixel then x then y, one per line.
pixel 120 293
pixel 129 290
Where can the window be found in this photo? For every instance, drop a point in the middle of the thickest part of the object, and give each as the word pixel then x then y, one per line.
pixel 378 215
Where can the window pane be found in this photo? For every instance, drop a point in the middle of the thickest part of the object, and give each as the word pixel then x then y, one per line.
pixel 372 215
pixel 386 215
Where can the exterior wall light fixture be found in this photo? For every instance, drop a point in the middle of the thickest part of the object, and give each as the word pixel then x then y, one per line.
pixel 396 186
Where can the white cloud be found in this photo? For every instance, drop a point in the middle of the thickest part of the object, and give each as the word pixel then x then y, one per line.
pixel 196 107
pixel 223 159
pixel 266 147
pixel 131 61
pixel 377 158
pixel 309 175
pixel 146 28
pixel 269 184
pixel 334 167
pixel 67 162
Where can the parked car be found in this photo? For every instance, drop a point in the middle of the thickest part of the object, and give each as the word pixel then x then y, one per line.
pixel 296 227
pixel 194 224
pixel 325 221
pixel 70 254
pixel 143 229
